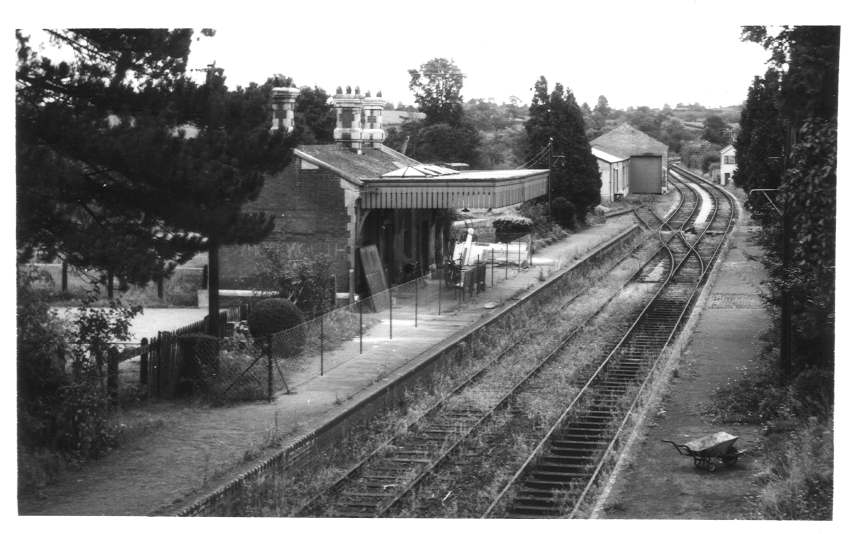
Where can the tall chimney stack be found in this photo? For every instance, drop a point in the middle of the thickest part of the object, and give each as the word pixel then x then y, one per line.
pixel 349 118
pixel 373 134
pixel 283 108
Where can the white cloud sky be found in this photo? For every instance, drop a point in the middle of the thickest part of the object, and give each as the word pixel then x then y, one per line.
pixel 650 52
pixel 502 51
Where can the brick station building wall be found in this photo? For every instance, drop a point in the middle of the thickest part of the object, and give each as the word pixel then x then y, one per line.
pixel 309 220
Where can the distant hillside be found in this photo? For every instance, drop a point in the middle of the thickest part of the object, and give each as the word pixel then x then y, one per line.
pixel 729 114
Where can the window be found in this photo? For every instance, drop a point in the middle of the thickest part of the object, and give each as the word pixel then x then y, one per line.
pixel 729 160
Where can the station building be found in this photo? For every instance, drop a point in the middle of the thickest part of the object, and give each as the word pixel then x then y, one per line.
pixel 335 199
pixel 727 164
pixel 646 158
pixel 614 175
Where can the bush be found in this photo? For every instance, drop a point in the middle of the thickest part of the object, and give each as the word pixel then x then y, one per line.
pixel 563 212
pixel 199 362
pixel 278 318
pixel 58 410
pixel 310 285
pixel 82 420
pixel 510 227
pixel 271 316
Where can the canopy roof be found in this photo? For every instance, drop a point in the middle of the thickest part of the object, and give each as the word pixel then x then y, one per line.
pixel 465 189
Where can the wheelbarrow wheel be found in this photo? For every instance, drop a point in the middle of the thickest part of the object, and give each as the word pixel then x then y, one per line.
pixel 711 467
pixel 731 457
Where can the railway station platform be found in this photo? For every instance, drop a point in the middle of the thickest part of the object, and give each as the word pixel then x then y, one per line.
pixel 653 481
pixel 189 451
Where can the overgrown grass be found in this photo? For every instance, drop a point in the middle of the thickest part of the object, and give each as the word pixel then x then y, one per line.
pixel 797 426
pixel 800 480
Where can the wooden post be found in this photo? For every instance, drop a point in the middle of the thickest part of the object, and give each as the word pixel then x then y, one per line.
pixel 144 362
pixel 64 276
pixel 439 290
pixel 492 267
pixel 160 288
pixel 112 373
pixel 270 370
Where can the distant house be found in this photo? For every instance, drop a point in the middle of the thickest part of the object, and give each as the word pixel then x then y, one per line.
pixel 614 175
pixel 336 199
pixel 727 164
pixel 647 157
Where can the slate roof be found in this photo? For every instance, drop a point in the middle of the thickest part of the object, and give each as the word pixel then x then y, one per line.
pixel 625 141
pixel 371 163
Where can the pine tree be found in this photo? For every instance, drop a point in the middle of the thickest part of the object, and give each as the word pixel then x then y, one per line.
pixel 120 144
pixel 574 173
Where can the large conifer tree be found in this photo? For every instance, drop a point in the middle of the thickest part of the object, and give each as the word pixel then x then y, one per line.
pixel 557 116
pixel 119 144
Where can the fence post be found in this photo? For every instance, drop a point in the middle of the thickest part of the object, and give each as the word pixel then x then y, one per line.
pixel 439 291
pixel 270 369
pixel 416 312
pixel 361 325
pixel 321 343
pixel 390 312
pixel 160 288
pixel 112 373
pixel 144 362
pixel 477 272
pixel 491 267
pixel 506 259
pixel 64 276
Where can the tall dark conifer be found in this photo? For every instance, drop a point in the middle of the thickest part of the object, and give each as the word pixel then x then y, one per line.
pixel 557 116
pixel 119 144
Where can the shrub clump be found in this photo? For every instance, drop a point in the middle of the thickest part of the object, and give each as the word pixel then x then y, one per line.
pixel 271 316
pixel 800 481
pixel 278 318
pixel 510 227
pixel 563 212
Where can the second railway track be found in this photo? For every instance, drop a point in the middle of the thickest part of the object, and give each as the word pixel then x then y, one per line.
pixel 554 479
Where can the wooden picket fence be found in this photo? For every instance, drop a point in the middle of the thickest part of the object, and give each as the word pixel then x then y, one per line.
pixel 161 361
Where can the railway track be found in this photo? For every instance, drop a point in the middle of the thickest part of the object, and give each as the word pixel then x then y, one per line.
pixel 558 475
pixel 552 475
pixel 384 478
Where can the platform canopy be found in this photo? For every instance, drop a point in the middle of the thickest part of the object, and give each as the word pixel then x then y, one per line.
pixel 414 189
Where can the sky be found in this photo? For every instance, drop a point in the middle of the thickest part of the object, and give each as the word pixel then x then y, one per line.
pixel 651 52
pixel 648 63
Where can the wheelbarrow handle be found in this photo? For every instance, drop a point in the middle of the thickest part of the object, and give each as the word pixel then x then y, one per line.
pixel 683 450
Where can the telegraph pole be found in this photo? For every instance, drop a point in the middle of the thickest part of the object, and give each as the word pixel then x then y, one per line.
pixel 550 144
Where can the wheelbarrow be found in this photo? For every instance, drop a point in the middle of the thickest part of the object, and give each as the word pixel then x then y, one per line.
pixel 708 451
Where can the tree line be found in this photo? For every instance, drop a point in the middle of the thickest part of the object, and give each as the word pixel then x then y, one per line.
pixel 786 154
